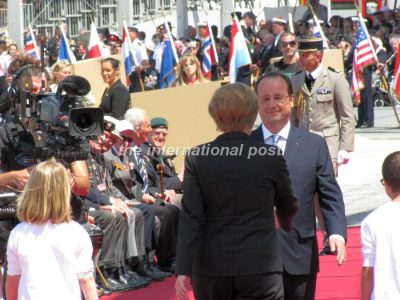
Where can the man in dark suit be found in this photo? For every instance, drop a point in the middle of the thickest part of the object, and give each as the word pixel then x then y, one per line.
pixel 311 172
pixel 227 242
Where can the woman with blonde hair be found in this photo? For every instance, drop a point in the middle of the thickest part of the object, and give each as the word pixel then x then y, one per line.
pixel 61 70
pixel 189 71
pixel 49 255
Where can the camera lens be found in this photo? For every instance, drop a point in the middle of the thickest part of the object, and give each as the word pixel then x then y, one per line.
pixel 84 122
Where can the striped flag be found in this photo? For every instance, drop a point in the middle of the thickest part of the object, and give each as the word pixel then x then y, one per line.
pixel 65 51
pixel 127 54
pixel 30 46
pixel 238 53
pixel 318 32
pixel 209 53
pixel 364 56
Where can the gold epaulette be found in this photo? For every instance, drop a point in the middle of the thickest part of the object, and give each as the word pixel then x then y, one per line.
pixel 300 105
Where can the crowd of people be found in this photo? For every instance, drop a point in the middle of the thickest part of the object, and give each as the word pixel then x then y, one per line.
pixel 151 229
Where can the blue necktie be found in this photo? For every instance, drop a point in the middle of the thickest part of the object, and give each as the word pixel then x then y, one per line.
pixel 142 169
pixel 275 139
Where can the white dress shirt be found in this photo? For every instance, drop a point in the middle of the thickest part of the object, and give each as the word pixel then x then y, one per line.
pixel 316 72
pixel 283 136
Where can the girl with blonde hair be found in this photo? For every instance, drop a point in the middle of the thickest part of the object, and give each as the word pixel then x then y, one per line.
pixel 189 71
pixel 49 255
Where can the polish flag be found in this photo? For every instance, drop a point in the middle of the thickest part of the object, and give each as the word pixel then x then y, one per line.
pixel 94 43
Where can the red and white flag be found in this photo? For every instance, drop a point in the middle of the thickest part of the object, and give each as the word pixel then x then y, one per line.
pixel 364 55
pixel 94 48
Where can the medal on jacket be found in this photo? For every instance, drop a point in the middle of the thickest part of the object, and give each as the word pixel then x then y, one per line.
pixel 118 166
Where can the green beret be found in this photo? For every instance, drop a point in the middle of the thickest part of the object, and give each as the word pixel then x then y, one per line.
pixel 310 44
pixel 158 122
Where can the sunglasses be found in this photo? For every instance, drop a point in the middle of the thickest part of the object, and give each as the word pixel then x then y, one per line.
pixel 291 44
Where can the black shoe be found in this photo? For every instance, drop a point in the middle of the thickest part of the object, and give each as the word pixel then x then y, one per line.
pixel 133 283
pixel 158 275
pixel 142 281
pixel 117 286
pixel 141 269
pixel 169 268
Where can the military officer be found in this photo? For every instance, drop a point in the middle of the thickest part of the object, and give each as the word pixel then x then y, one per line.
pixel 323 105
pixel 323 102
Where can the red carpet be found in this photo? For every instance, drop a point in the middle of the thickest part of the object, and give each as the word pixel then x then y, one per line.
pixel 334 282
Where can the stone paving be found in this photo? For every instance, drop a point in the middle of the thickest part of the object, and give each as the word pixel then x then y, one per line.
pixel 360 178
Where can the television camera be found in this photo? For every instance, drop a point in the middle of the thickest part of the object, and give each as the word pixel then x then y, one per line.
pixel 43 125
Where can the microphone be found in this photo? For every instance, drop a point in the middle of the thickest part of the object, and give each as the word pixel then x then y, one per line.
pixel 75 85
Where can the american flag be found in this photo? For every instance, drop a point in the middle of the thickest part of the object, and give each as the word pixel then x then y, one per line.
pixel 30 46
pixel 209 53
pixel 364 56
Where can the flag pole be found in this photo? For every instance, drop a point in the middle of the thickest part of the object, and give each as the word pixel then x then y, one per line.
pixel 382 77
pixel 317 23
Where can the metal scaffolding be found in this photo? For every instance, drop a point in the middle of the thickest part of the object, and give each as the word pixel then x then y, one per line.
pixel 43 15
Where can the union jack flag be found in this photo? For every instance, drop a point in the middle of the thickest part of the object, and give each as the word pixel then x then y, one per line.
pixel 364 56
pixel 30 46
pixel 209 53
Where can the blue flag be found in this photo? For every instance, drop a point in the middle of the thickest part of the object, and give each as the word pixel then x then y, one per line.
pixel 65 51
pixel 167 75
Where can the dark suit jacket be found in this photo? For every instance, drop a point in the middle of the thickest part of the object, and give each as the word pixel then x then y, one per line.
pixel 155 156
pixel 128 180
pixel 227 223
pixel 115 101
pixel 120 174
pixel 311 172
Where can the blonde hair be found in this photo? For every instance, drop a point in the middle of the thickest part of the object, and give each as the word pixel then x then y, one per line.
pixel 46 196
pixel 57 67
pixel 182 76
pixel 233 107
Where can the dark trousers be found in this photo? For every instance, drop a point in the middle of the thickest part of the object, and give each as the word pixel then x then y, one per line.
pixel 244 75
pixel 134 79
pixel 299 287
pixel 149 225
pixel 265 286
pixel 366 106
pixel 169 218
pixel 114 229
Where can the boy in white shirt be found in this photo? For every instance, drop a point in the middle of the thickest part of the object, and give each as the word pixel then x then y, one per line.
pixel 381 240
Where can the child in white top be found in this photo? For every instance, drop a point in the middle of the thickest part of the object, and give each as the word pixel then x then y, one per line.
pixel 49 255
pixel 381 240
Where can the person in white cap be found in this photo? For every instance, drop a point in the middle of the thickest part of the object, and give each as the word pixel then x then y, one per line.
pixel 278 28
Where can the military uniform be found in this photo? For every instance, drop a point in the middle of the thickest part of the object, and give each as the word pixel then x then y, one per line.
pixel 326 110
